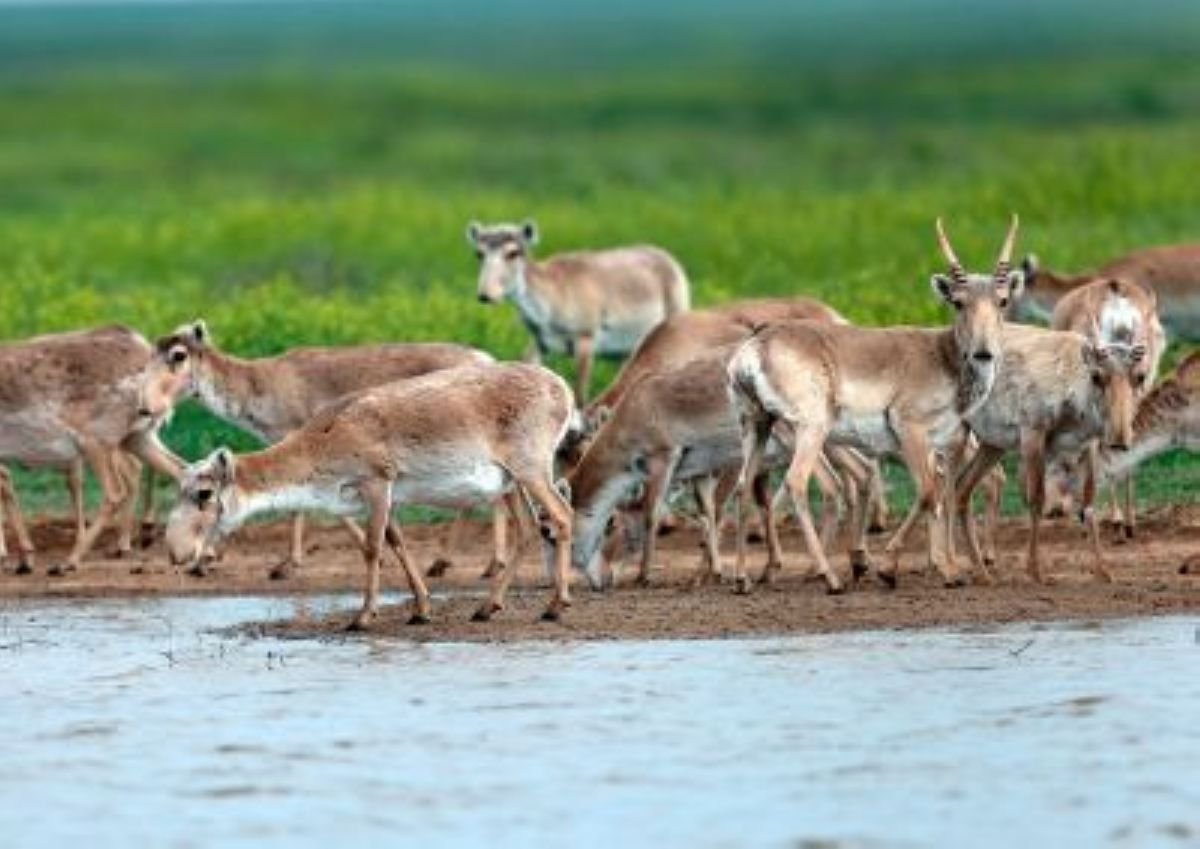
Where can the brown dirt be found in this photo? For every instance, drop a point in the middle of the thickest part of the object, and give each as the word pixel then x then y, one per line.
pixel 1152 579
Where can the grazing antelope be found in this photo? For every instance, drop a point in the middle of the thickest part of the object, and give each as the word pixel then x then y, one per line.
pixel 898 390
pixel 273 396
pixel 671 427
pixel 452 438
pixel 1167 418
pixel 584 303
pixel 1118 312
pixel 689 335
pixel 76 397
pixel 1171 272
pixel 1057 393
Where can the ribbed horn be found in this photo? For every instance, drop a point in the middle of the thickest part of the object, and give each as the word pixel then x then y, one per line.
pixel 956 269
pixel 1004 263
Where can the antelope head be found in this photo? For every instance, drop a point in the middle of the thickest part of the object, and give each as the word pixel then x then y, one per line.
pixel 1116 372
pixel 171 372
pixel 979 301
pixel 503 250
pixel 195 521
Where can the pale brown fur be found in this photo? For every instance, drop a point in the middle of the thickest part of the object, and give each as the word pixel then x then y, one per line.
pixel 451 438
pixel 1117 311
pixel 674 426
pixel 1170 272
pixel 884 391
pixel 584 303
pixel 72 397
pixel 1057 393
pixel 273 396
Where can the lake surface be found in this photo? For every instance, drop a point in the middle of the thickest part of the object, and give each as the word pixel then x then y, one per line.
pixel 127 723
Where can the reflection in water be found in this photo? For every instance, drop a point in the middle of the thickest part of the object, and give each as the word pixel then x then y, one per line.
pixel 131 721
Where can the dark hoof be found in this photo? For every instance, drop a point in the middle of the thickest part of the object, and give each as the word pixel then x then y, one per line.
pixel 552 614
pixel 439 568
pixel 642 583
pixel 200 570
pixel 1191 566
pixel 419 619
pixel 742 585
pixel 147 536
pixel 118 553
pixel 281 571
pixel 485 613
pixel 876 528
pixel 955 583
pixel 888 579
pixel 860 565
pixel 755 537
pixel 24 568
pixel 137 570
pixel 1128 531
pixel 359 624
pixel 59 569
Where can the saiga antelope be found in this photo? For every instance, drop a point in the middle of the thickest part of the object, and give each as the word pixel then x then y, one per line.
pixel 1057 392
pixel 671 427
pixel 1171 272
pixel 584 303
pixel 899 390
pixel 686 336
pixel 451 438
pixel 1117 312
pixel 78 396
pixel 272 396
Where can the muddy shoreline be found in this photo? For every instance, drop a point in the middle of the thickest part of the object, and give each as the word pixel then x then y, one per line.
pixel 1157 574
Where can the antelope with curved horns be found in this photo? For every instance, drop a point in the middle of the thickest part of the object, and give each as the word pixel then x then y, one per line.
pixel 451 438
pixel 272 396
pixel 1117 312
pixel 897 390
pixel 71 397
pixel 1057 393
pixel 584 303
pixel 1170 272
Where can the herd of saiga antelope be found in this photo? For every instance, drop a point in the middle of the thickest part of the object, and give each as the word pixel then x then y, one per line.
pixel 710 399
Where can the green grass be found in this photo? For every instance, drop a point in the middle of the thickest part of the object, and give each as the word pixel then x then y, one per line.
pixel 303 173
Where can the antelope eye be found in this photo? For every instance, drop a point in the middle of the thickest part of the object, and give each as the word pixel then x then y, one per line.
pixel 1003 303
pixel 178 355
pixel 512 253
pixel 1097 380
pixel 478 254
pixel 204 496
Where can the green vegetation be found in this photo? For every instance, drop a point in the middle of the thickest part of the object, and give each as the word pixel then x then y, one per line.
pixel 302 173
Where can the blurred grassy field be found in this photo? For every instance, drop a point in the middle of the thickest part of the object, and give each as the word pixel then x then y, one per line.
pixel 302 173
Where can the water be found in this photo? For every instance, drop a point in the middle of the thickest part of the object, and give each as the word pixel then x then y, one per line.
pixel 127 723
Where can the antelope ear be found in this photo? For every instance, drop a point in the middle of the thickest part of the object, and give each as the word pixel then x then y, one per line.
pixel 945 288
pixel 1094 355
pixel 1015 284
pixel 223 465
pixel 529 232
pixel 473 231
pixel 199 331
pixel 1030 268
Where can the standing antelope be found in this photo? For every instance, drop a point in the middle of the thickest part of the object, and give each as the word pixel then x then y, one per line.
pixel 1057 393
pixel 72 397
pixel 898 390
pixel 452 438
pixel 689 335
pixel 672 426
pixel 1168 417
pixel 1171 272
pixel 583 303
pixel 1118 312
pixel 273 396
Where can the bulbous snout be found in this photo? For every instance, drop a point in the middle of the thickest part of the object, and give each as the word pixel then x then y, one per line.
pixel 983 356
pixel 1119 444
pixel 485 298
